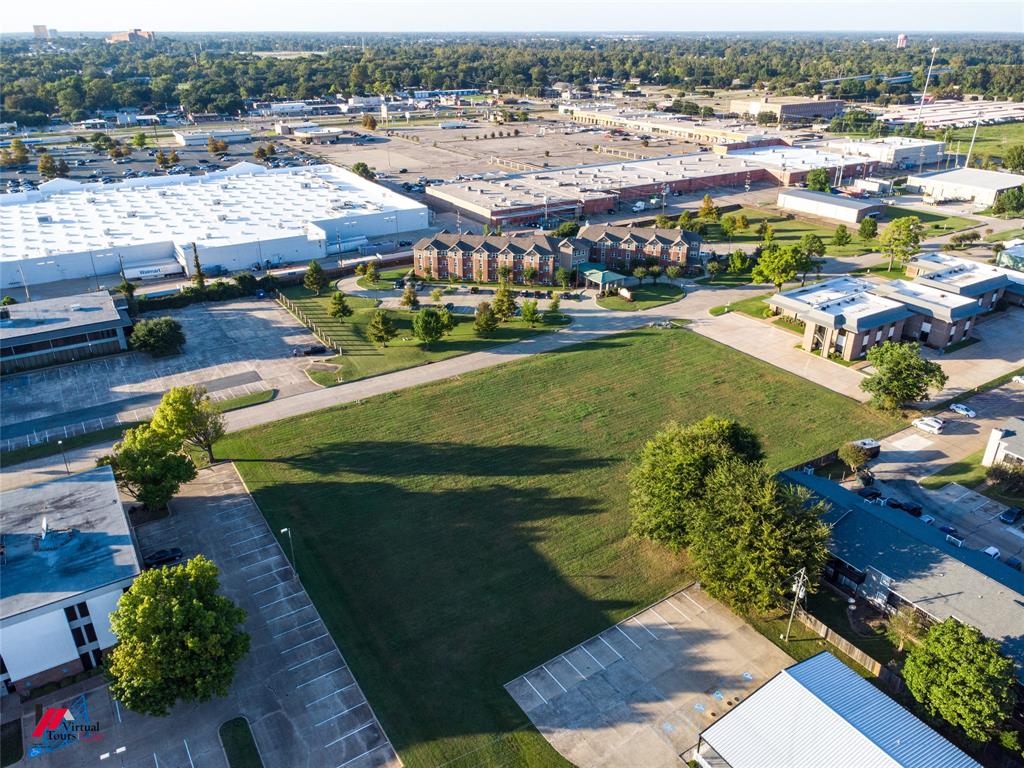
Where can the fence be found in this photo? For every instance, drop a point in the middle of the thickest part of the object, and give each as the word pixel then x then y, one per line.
pixel 888 678
pixel 301 316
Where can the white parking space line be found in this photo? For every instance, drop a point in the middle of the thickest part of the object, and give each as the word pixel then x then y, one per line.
pixel 677 610
pixel 667 623
pixel 644 628
pixel 260 562
pixel 696 604
pixel 295 629
pixel 339 714
pixel 265 546
pixel 602 666
pixel 612 647
pixel 189 753
pixel 258 536
pixel 319 677
pixel 290 613
pixel 318 637
pixel 573 667
pixel 626 636
pixel 267 589
pixel 310 661
pixel 243 528
pixel 542 666
pixel 280 600
pixel 373 749
pixel 350 733
pixel 324 698
pixel 539 694
pixel 271 573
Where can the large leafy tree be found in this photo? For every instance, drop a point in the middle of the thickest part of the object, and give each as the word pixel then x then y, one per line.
pixel 901 375
pixel 177 639
pixel 149 466
pixel 486 322
pixel 158 336
pixel 186 416
pixel 428 326
pixel 381 328
pixel 667 485
pixel 314 280
pixel 504 305
pixel 809 253
pixel 752 532
pixel 1013 158
pixel 818 180
pixel 776 266
pixel 901 239
pixel 960 675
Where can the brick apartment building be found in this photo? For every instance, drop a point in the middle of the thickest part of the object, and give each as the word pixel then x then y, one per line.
pixel 478 258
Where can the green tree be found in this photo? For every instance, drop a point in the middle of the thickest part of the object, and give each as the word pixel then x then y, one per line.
pixel 901 375
pixel 818 180
pixel 903 626
pixel 1013 158
pixel 177 639
pixel 362 169
pixel 173 159
pixel 447 320
pixel 752 532
pixel 159 336
pixel 667 484
pixel 409 298
pixel 260 153
pixel 314 280
pixel 531 314
pixel 640 273
pixel 530 275
pixel 19 152
pixel 769 234
pixel 8 301
pixel 186 416
pixel 776 266
pixel 713 267
pixel 428 326
pixel 868 228
pixel 901 239
pixel 654 272
pixel 504 305
pixel 708 209
pixel 140 139
pixel 339 308
pixel 554 310
pixel 853 456
pixel 371 273
pixel 381 329
pixel 149 466
pixel 47 166
pixel 841 236
pixel 369 122
pixel 486 322
pixel 739 262
pixel 563 276
pixel 504 273
pixel 809 251
pixel 728 225
pixel 674 272
pixel 958 674
pixel 198 276
pixel 742 222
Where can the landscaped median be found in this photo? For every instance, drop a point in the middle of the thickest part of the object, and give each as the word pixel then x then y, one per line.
pixel 360 357
pixel 644 297
pixel 239 746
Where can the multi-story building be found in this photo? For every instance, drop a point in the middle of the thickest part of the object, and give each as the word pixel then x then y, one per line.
pixel 68 555
pixel 626 247
pixel 892 151
pixel 197 138
pixel 984 283
pixel 131 36
pixel 479 258
pixel 789 107
pixel 939 318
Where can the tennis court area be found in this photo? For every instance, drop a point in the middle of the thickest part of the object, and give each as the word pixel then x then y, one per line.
pixel 641 691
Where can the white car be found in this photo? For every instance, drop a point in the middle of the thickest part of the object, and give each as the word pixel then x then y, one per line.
pixel 992 552
pixel 930 425
pixel 963 410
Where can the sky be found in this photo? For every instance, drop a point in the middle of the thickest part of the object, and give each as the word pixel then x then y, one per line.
pixel 521 15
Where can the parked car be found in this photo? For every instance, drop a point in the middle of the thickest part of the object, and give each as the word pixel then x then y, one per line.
pixel 894 503
pixel 163 557
pixel 313 349
pixel 450 306
pixel 1010 515
pixel 474 289
pixel 869 493
pixel 1018 379
pixel 928 424
pixel 927 519
pixel 963 410
pixel 949 530
pixel 913 509
pixel 992 552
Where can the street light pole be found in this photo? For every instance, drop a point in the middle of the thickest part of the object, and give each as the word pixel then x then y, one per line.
pixel 927 77
pixel 60 444
pixel 291 546
pixel 799 590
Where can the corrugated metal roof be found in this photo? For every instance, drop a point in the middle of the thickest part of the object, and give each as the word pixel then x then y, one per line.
pixel 821 714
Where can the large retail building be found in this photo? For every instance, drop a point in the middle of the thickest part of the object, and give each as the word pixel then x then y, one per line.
pixel 244 215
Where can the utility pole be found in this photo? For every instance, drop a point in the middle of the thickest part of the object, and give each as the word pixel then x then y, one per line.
pixel 927 77
pixel 799 590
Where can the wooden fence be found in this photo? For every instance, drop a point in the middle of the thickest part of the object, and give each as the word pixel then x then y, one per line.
pixel 889 678
pixel 301 316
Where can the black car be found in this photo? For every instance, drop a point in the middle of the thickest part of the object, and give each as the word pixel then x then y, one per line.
pixel 450 307
pixel 949 530
pixel 404 243
pixel 474 289
pixel 894 503
pixel 164 557
pixel 1010 515
pixel 912 509
pixel 315 349
pixel 869 493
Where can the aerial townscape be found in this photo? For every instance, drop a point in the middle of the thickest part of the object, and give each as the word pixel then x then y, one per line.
pixel 612 385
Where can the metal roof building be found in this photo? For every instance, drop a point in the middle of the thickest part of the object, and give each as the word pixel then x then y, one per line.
pixel 827 206
pixel 821 714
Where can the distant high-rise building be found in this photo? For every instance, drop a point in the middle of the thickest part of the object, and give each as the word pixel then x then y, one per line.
pixel 131 36
pixel 901 41
pixel 40 31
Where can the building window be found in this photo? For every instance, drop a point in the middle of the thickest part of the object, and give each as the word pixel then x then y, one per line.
pixel 83 610
pixel 892 330
pixel 76 633
pixel 878 335
pixel 69 613
pixel 967 325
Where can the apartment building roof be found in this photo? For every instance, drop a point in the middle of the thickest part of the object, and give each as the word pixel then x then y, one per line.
pixel 945 271
pixel 927 300
pixel 444 241
pixel 596 233
pixel 842 302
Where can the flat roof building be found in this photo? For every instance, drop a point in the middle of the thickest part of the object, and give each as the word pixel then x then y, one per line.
pixel 821 714
pixel 789 107
pixel 964 277
pixel 68 556
pixel 1005 443
pixel 965 184
pixel 700 131
pixel 52 331
pixel 237 217
pixel 892 151
pixel 195 138
pixel 824 205
pixel 951 113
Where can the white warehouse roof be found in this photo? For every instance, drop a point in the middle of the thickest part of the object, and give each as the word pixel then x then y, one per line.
pixel 971 177
pixel 241 204
pixel 821 714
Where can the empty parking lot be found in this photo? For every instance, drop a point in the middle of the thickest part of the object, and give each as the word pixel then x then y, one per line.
pixel 640 692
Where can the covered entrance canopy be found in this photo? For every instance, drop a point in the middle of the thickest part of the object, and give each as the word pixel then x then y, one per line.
pixel 603 278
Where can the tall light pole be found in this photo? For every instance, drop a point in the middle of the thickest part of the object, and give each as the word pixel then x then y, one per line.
pixel 60 444
pixel 799 590
pixel 927 77
pixel 291 545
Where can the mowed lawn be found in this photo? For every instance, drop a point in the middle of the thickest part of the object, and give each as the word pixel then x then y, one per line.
pixel 455 535
pixel 362 358
pixel 788 231
pixel 933 224
pixel 644 297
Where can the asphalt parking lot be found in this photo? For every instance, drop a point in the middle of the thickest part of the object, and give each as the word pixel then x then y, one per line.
pixel 295 688
pixel 232 347
pixel 640 692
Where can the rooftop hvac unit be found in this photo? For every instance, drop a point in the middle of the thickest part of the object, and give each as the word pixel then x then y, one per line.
pixel 90 199
pixel 216 201
pixel 222 217
pixel 107 232
pixel 131 214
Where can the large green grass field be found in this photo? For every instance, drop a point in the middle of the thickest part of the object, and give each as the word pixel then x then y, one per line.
pixel 789 231
pixel 933 224
pixel 455 535
pixel 644 297
pixel 362 358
